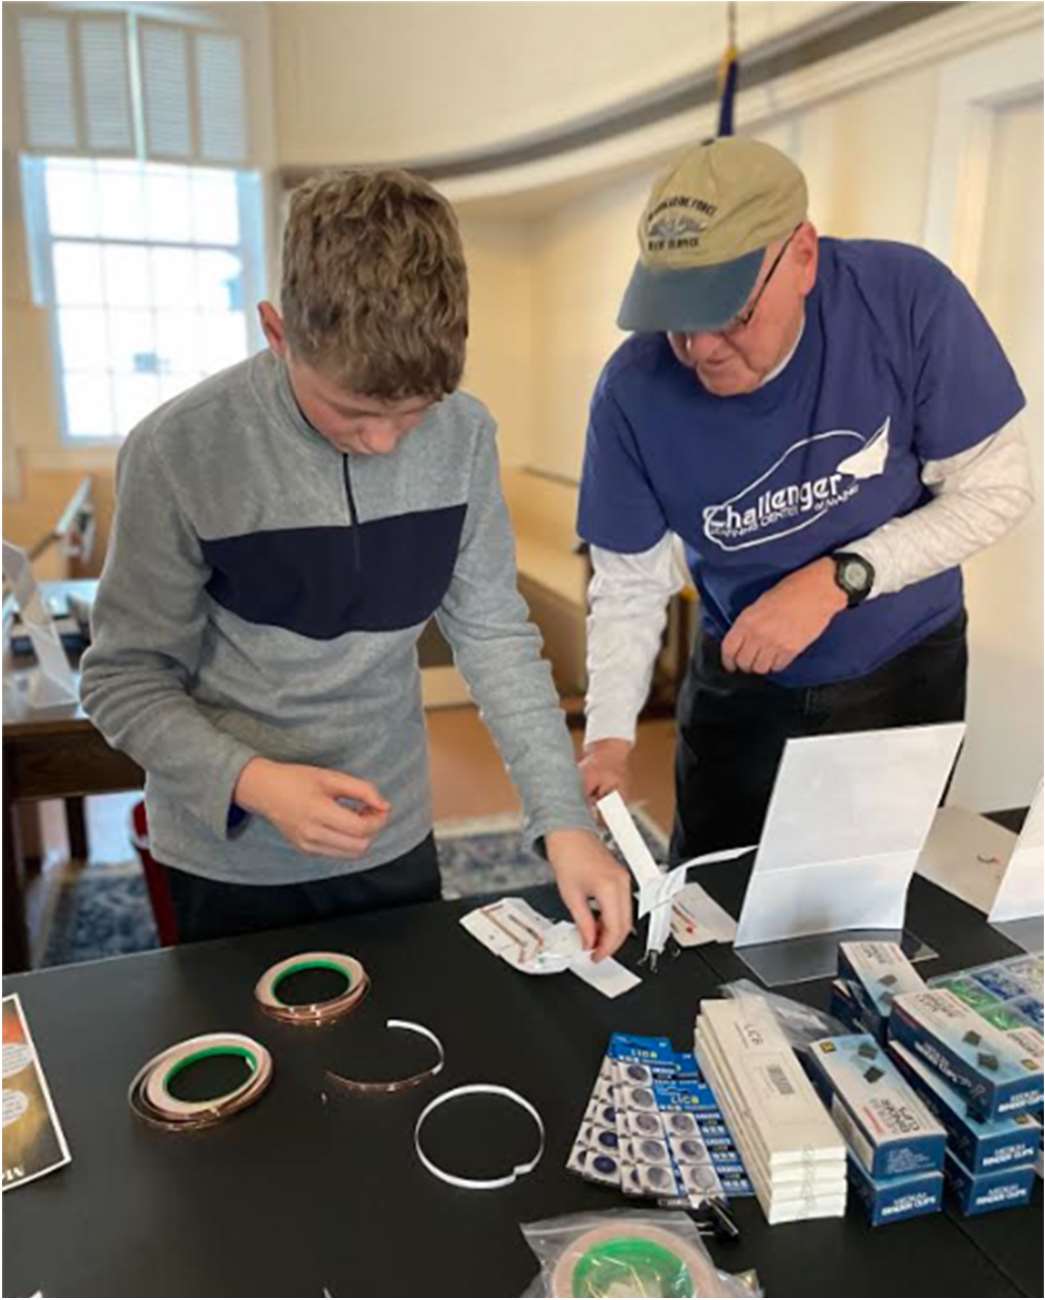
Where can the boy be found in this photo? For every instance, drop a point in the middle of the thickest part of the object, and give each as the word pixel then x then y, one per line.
pixel 284 531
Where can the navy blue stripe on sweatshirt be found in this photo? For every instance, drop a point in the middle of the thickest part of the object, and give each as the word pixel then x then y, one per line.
pixel 318 583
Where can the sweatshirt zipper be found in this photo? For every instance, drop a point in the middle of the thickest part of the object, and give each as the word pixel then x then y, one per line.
pixel 351 511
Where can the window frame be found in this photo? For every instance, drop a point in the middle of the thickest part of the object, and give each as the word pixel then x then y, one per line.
pixel 40 239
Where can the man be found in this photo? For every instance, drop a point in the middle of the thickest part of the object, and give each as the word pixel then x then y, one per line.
pixel 283 533
pixel 829 427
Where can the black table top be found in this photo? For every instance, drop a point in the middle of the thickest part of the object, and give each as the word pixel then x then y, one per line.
pixel 297 1194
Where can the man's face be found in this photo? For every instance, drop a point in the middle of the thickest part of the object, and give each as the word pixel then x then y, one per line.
pixel 352 422
pixel 737 358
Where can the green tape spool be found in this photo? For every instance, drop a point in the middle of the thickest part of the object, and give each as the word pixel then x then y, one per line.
pixel 150 1097
pixel 319 964
pixel 633 1266
pixel 314 1013
pixel 178 1066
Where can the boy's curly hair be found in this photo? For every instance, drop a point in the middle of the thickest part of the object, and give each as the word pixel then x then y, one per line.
pixel 375 289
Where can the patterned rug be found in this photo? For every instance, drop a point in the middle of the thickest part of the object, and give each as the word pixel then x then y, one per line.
pixel 103 910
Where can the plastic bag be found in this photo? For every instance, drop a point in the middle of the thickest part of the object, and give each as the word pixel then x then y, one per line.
pixel 801 1025
pixel 625 1253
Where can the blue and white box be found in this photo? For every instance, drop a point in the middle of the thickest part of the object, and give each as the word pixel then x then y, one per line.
pixel 844 1007
pixel 889 1200
pixel 1003 1190
pixel 982 1147
pixel 991 1071
pixel 876 973
pixel 884 1122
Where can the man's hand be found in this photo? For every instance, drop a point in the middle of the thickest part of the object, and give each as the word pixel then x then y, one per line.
pixel 786 619
pixel 604 768
pixel 304 804
pixel 584 868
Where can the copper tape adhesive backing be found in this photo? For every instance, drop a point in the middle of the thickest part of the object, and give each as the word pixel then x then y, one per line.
pixel 471 1090
pixel 150 1098
pixel 312 1013
pixel 396 1085
pixel 633 1258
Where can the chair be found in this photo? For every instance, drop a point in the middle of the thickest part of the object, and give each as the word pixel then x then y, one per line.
pixel 157 881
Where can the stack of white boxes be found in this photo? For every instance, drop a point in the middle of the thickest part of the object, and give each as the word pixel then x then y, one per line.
pixel 793 1153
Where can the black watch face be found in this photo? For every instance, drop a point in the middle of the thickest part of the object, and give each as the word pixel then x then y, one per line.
pixel 854 575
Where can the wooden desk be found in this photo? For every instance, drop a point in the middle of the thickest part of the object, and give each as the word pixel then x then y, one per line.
pixel 54 755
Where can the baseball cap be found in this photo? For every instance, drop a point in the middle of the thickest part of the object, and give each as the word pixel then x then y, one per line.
pixel 704 232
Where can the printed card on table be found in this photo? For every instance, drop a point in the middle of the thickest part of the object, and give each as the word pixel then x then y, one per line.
pixel 33 1142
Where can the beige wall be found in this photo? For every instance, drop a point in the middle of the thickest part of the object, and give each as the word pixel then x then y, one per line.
pixel 378 82
pixel 1002 761
pixel 863 181
pixel 501 366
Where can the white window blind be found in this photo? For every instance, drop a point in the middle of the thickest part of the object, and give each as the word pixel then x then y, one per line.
pixel 165 87
pixel 48 102
pixel 105 78
pixel 222 112
pixel 78 98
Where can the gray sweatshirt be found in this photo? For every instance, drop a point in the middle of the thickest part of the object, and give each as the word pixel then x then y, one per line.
pixel 263 595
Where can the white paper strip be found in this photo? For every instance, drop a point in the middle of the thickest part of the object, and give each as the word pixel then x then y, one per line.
pixel 471 1090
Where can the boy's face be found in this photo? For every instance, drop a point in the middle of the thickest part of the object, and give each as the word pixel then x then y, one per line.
pixel 352 422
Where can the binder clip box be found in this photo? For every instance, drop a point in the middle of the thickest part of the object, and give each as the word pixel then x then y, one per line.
pixel 889 1200
pixel 885 1124
pixel 844 1007
pixel 982 1147
pixel 876 973
pixel 1004 1189
pixel 996 1075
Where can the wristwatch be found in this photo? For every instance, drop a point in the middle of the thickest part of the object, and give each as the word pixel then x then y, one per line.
pixel 854 575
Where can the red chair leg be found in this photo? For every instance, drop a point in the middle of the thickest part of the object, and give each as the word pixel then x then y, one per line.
pixel 157 881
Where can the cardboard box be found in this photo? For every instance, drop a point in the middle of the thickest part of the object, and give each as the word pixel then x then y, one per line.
pixel 885 1124
pixel 1003 1190
pixel 876 973
pixel 981 1146
pixel 985 1065
pixel 889 1200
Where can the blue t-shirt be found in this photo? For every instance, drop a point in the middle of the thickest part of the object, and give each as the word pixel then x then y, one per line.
pixel 896 366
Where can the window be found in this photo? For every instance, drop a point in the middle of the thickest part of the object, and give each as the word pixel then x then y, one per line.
pixel 151 272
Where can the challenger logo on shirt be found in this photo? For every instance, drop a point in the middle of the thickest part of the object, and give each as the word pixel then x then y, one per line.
pixel 776 505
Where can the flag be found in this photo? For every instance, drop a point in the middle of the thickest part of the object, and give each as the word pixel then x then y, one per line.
pixel 727 78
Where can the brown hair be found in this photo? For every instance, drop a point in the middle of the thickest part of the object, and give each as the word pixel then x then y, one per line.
pixel 375 289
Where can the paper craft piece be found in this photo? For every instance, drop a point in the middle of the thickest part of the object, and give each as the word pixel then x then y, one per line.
pixel 52 682
pixel 847 819
pixel 1022 889
pixel 659 889
pixel 656 888
pixel 34 1143
pixel 697 919
pixel 525 939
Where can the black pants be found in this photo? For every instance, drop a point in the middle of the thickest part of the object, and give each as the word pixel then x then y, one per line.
pixel 214 909
pixel 732 728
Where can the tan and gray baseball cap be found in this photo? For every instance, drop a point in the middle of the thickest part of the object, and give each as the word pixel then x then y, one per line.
pixel 704 233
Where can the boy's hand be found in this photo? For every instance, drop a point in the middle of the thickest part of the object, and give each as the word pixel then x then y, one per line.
pixel 303 803
pixel 584 868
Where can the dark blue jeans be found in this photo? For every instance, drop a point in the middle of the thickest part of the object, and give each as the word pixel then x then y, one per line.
pixel 732 727
pixel 215 909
